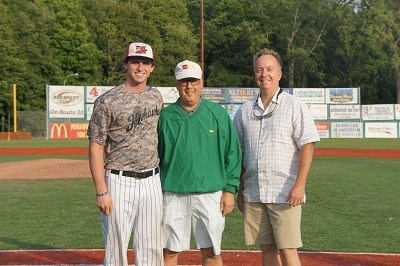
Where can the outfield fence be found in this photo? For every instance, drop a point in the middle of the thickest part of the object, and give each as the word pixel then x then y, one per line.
pixel 337 112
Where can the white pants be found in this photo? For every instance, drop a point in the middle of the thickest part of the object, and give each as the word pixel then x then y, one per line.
pixel 138 205
pixel 198 212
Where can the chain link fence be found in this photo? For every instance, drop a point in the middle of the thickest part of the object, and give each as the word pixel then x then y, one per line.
pixel 34 122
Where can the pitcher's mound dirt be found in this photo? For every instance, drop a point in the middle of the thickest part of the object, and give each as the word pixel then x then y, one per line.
pixel 45 168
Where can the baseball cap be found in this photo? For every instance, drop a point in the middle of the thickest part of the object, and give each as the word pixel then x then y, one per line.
pixel 139 49
pixel 187 69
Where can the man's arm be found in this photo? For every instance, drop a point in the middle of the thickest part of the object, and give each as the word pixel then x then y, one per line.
pixel 296 195
pixel 96 162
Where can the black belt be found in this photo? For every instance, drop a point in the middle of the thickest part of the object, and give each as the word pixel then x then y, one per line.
pixel 138 175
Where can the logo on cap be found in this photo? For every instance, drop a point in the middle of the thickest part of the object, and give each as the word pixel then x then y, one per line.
pixel 184 66
pixel 141 50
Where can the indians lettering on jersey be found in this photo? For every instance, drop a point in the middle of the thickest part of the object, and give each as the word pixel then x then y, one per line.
pixel 138 115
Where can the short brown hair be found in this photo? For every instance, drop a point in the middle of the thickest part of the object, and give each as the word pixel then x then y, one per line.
pixel 266 51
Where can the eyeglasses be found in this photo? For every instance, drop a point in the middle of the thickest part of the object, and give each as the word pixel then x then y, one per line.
pixel 185 82
pixel 269 114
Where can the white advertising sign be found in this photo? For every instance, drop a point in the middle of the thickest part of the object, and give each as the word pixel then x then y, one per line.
pixel 169 94
pixel 381 130
pixel 89 110
pixel 92 92
pixel 377 112
pixel 397 111
pixel 318 111
pixel 323 129
pixel 66 102
pixel 342 95
pixel 343 111
pixel 346 130
pixel 309 95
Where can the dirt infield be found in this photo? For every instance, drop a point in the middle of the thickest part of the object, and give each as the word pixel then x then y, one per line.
pixel 44 169
pixel 193 257
pixel 61 168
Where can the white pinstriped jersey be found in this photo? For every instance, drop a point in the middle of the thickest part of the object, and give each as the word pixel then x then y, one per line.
pixel 271 146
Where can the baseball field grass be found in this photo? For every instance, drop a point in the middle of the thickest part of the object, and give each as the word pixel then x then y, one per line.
pixel 324 143
pixel 352 206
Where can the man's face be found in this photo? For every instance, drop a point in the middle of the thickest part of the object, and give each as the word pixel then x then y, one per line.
pixel 267 73
pixel 139 69
pixel 189 91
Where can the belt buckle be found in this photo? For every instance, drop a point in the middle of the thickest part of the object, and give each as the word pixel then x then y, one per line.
pixel 136 175
pixel 139 175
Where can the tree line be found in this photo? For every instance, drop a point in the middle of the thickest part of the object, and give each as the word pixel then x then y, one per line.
pixel 323 43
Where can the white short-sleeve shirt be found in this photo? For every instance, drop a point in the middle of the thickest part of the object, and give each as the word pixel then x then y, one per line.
pixel 271 145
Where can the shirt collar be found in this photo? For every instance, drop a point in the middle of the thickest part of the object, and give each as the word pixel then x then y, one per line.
pixel 276 99
pixel 190 112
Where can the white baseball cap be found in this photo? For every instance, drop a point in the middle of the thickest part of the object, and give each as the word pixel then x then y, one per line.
pixel 139 49
pixel 188 69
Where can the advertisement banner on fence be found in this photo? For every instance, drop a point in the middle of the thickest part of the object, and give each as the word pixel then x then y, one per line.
pixel 310 95
pixel 232 109
pixel 214 94
pixel 92 92
pixel 377 112
pixel 323 129
pixel 346 130
pixel 343 111
pixel 89 110
pixel 169 94
pixel 397 111
pixel 66 102
pixel 68 130
pixel 342 95
pixel 318 111
pixel 240 95
pixel 381 130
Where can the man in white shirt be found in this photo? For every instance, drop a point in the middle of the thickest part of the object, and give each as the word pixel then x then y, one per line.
pixel 277 136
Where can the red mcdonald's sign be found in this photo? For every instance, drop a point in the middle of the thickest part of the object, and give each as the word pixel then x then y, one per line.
pixel 59 130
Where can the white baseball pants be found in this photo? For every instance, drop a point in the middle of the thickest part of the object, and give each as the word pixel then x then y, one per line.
pixel 138 205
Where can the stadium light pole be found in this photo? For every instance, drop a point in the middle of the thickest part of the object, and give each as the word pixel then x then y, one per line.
pixel 73 74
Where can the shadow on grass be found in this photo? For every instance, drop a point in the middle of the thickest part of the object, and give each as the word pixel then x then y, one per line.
pixel 20 244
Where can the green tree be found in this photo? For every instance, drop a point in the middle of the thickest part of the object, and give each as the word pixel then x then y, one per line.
pixel 74 50
pixel 231 38
pixel 30 25
pixel 175 40
pixel 357 53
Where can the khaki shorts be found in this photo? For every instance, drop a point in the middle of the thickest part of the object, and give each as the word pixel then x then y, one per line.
pixel 198 212
pixel 272 223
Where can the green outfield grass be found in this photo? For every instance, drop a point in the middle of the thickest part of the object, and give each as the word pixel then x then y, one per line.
pixel 324 143
pixel 18 158
pixel 40 143
pixel 352 205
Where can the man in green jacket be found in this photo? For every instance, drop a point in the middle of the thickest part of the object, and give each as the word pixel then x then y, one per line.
pixel 200 163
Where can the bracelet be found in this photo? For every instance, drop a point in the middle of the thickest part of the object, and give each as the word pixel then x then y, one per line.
pixel 102 194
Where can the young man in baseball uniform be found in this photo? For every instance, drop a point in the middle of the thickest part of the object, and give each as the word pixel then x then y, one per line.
pixel 123 131
pixel 200 162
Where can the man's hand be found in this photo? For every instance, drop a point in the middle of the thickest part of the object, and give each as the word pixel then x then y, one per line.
pixel 296 195
pixel 105 204
pixel 227 203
